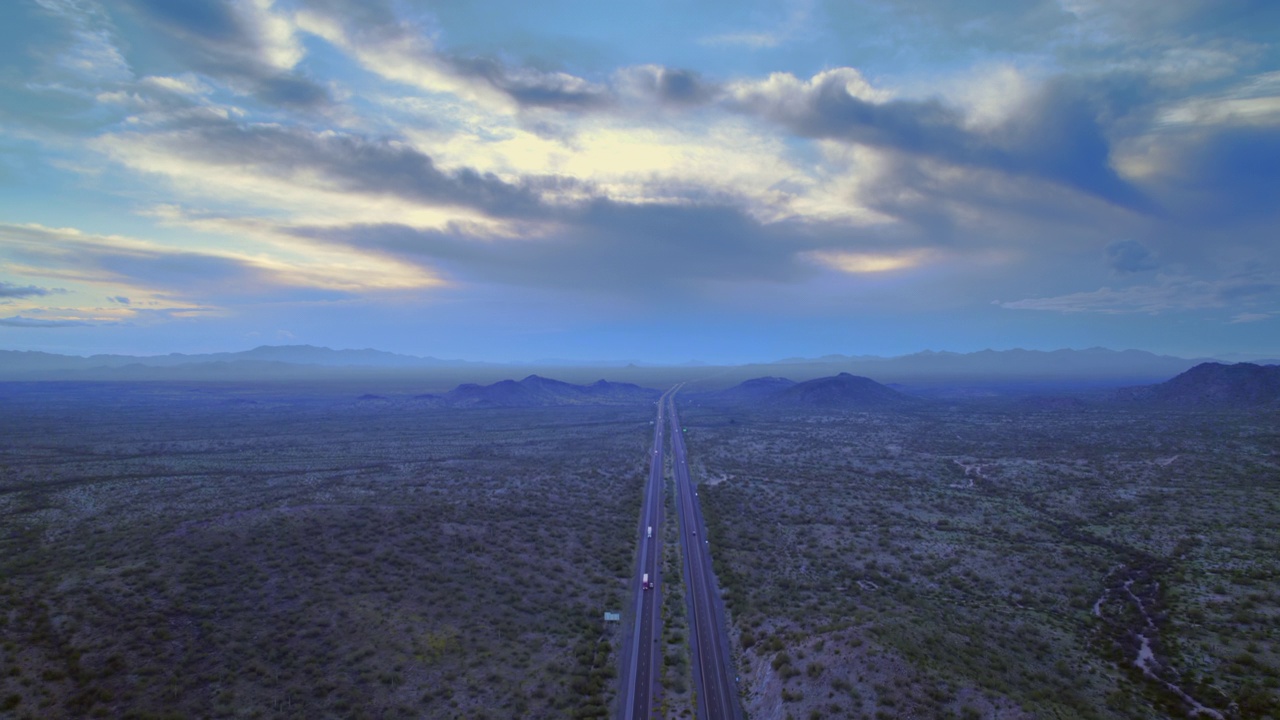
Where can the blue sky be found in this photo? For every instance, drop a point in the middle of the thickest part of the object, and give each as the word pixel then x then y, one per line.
pixel 731 181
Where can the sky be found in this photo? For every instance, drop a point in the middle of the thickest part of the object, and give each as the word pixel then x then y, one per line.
pixel 652 180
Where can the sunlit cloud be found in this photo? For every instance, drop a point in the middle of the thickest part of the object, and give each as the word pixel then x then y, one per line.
pixel 18 321
pixel 304 194
pixel 862 263
pixel 187 84
pixel 178 278
pixel 1255 103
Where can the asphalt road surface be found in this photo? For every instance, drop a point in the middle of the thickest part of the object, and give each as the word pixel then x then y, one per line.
pixel 642 647
pixel 713 672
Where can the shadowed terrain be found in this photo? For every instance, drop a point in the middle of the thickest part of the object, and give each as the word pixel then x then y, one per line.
pixel 1242 385
pixel 230 551
pixel 348 550
pixel 997 560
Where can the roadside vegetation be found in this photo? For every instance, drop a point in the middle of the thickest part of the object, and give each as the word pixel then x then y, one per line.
pixel 678 699
pixel 220 551
pixel 997 562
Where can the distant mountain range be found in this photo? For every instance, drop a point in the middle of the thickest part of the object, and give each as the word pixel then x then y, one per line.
pixel 11 360
pixel 838 392
pixel 753 389
pixel 1016 363
pixel 1003 370
pixel 535 391
pixel 1242 385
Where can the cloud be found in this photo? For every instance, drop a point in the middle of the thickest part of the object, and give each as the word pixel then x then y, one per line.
pixel 293 161
pixel 19 321
pixel 186 84
pixel 1216 177
pixel 1250 100
pixel 403 51
pixel 1129 256
pixel 248 44
pixel 861 263
pixel 533 88
pixel 10 290
pixel 781 31
pixel 1250 317
pixel 1169 294
pixel 1057 136
pixel 762 39
pixel 669 87
pixel 1109 301
pixel 158 277
pixel 92 51
pixel 654 252
pixel 391 159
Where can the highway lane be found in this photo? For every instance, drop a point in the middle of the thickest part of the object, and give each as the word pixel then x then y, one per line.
pixel 642 649
pixel 713 672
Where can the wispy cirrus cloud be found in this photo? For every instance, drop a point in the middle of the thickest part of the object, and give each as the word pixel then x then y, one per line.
pixel 18 321
pixel 780 31
pixel 92 50
pixel 1130 256
pixel 1251 317
pixel 1169 294
pixel 141 275
pixel 397 49
pixel 12 290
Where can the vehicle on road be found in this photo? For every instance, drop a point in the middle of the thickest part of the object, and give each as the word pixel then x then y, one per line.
pixel 650 531
pixel 644 582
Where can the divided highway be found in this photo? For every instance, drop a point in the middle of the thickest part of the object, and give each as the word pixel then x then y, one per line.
pixel 641 649
pixel 713 672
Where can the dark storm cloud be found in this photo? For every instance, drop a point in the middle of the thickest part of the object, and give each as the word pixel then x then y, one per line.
pixel 1223 175
pixel 10 290
pixel 680 86
pixel 211 36
pixel 1057 137
pixel 291 90
pixel 1129 256
pixel 623 250
pixel 671 86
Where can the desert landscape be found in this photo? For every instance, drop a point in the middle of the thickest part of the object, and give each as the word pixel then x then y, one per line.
pixel 276 550
pixel 188 551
